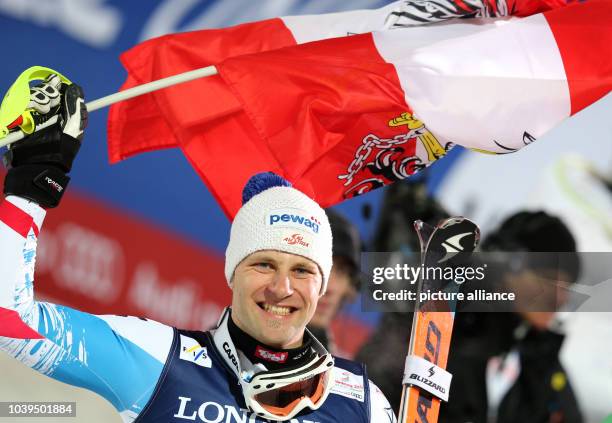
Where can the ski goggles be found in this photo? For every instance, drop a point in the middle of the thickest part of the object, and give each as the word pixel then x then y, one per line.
pixel 280 395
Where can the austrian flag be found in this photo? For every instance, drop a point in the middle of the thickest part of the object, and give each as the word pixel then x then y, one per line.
pixel 342 116
pixel 494 90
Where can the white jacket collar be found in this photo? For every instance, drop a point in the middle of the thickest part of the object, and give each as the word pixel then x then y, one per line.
pixel 224 344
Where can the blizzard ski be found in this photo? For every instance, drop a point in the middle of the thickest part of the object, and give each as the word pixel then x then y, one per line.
pixel 426 382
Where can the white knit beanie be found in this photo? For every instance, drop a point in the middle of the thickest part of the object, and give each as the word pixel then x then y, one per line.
pixel 279 218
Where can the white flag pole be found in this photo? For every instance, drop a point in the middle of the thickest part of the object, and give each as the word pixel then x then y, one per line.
pixel 125 95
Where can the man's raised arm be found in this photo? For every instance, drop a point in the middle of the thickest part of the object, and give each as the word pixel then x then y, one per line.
pixel 120 358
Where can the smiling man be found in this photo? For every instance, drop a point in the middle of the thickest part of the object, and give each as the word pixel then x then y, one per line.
pixel 259 364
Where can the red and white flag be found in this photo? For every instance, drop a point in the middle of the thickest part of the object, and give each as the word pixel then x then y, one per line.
pixel 332 116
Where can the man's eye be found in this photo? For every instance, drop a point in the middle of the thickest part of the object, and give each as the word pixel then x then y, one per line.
pixel 303 271
pixel 263 265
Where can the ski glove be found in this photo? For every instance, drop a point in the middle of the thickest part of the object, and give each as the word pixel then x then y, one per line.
pixel 38 165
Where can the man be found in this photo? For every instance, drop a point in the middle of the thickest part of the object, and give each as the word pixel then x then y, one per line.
pixel 259 363
pixel 507 364
pixel 343 281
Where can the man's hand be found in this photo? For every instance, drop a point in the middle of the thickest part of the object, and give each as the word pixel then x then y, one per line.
pixel 38 165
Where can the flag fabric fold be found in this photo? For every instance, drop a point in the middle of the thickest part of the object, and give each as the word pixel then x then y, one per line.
pixel 155 120
pixel 341 116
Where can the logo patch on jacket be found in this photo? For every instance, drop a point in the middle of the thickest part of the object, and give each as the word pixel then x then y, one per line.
pixel 347 384
pixel 192 351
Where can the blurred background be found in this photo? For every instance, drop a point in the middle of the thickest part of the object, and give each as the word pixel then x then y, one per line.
pixel 145 238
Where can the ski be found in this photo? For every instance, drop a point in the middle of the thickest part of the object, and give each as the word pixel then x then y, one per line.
pixel 426 381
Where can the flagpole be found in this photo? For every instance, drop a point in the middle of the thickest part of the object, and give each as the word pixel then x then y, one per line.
pixel 125 95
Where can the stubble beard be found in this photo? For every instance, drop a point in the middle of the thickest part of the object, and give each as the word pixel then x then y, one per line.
pixel 273 324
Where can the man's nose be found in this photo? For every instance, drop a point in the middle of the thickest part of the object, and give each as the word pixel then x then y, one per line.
pixel 280 287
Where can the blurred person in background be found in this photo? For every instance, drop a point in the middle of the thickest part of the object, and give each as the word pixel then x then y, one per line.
pixel 343 283
pixel 506 366
pixel 260 356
